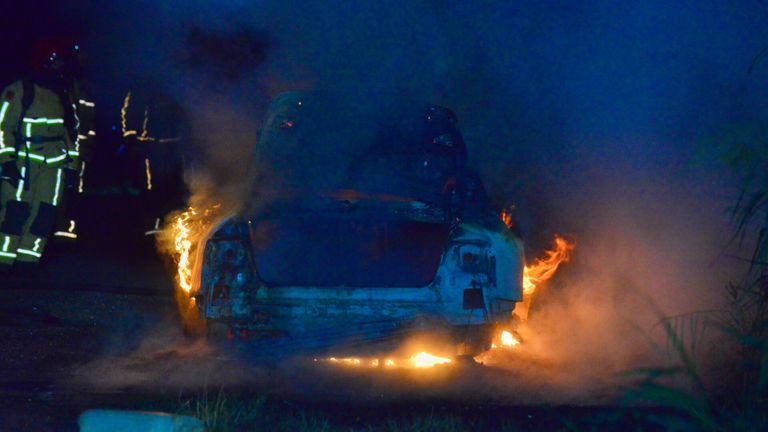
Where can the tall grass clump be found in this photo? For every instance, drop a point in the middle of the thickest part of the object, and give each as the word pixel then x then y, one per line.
pixel 735 394
pixel 223 413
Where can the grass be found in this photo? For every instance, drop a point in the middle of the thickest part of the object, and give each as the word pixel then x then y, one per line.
pixel 225 413
pixel 222 413
pixel 739 401
pixel 232 411
pixel 734 402
pixel 697 406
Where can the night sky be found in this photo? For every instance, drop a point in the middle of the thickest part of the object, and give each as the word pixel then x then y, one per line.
pixel 602 79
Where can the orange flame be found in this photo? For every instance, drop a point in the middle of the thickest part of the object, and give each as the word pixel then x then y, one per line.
pixel 181 239
pixel 419 360
pixel 506 217
pixel 346 360
pixel 545 268
pixel 183 246
pixel 426 360
pixel 508 339
pixel 187 229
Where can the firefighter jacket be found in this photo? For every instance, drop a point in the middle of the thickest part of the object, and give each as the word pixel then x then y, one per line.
pixel 85 117
pixel 41 134
pixel 154 133
pixel 38 133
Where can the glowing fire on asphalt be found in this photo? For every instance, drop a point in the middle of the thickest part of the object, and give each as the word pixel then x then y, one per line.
pixel 419 360
pixel 426 360
pixel 508 340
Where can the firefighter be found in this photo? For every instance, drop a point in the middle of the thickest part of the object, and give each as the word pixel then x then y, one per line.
pixel 154 135
pixel 66 227
pixel 38 154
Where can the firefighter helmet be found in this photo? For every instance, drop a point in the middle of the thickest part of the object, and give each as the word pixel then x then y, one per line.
pixel 54 55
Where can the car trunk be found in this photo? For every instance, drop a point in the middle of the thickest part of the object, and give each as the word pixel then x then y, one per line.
pixel 352 249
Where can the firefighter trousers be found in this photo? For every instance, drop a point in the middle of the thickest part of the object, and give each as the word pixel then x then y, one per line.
pixel 28 212
pixel 66 225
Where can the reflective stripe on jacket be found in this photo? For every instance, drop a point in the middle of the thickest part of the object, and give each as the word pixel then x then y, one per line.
pixel 41 135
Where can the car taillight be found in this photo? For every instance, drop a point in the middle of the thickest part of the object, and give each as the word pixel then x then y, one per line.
pixel 478 260
pixel 227 277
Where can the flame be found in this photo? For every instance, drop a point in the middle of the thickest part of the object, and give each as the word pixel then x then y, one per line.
pixel 182 242
pixel 426 360
pixel 508 340
pixel 348 360
pixel 506 217
pixel 183 236
pixel 545 268
pixel 420 360
pixel 187 229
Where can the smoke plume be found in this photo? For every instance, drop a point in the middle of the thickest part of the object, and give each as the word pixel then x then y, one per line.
pixel 586 115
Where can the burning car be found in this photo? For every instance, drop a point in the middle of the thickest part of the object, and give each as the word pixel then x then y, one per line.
pixel 375 225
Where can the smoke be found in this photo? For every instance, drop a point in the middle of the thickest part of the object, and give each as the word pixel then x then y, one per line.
pixel 585 115
pixel 602 315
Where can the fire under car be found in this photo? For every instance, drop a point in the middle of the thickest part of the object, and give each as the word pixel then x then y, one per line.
pixel 380 229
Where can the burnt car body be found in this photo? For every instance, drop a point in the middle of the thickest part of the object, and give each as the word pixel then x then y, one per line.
pixel 393 229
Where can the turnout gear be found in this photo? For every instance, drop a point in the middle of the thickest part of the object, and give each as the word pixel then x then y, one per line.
pixel 74 177
pixel 154 133
pixel 55 61
pixel 16 213
pixel 9 172
pixel 38 139
pixel 71 178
